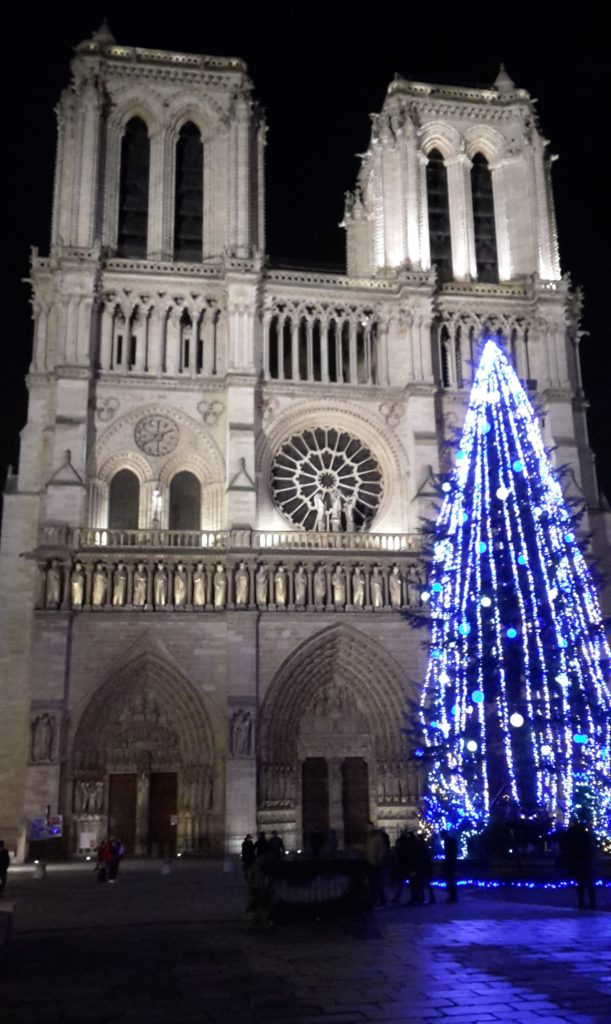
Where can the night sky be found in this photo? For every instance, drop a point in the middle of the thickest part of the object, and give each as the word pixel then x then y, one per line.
pixel 319 70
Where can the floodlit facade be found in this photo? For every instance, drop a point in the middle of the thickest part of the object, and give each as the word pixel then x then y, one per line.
pixel 215 523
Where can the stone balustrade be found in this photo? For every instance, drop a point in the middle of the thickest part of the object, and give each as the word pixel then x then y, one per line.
pixel 82 538
pixel 83 580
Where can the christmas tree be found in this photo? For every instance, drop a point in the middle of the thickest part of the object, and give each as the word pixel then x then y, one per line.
pixel 516 705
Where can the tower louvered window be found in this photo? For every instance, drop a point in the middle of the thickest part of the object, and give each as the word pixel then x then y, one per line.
pixel 134 189
pixel 483 220
pixel 188 207
pixel 439 215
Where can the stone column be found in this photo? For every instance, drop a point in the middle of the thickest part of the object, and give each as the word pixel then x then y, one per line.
pixel 461 217
pixel 172 354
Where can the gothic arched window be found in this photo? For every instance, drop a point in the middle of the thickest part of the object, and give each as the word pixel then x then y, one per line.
pixel 185 502
pixel 134 189
pixel 189 195
pixel 483 220
pixel 123 501
pixel 439 215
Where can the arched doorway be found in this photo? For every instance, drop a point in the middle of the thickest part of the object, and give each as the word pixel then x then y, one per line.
pixel 331 745
pixel 142 762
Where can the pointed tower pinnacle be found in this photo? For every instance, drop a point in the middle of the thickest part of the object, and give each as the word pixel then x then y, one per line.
pixel 503 83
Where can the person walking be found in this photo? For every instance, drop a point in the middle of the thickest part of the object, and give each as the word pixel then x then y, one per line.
pixel 376 854
pixel 103 860
pixel 261 845
pixel 276 846
pixel 116 851
pixel 401 864
pixel 248 856
pixel 5 861
pixel 580 852
pixel 450 862
pixel 424 868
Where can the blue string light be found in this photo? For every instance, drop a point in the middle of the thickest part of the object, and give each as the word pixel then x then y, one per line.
pixel 548 670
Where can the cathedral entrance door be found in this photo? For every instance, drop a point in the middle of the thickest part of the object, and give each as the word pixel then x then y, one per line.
pixel 163 808
pixel 122 808
pixel 355 800
pixel 315 796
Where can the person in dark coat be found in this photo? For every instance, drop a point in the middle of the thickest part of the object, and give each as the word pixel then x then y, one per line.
pixel 248 855
pixel 402 864
pixel 5 861
pixel 116 856
pixel 580 853
pixel 450 862
pixel 276 846
pixel 261 845
pixel 424 868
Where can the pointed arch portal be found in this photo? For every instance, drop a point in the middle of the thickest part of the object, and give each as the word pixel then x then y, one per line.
pixel 331 751
pixel 142 762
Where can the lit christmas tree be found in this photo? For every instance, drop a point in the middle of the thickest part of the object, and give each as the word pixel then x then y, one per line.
pixel 517 702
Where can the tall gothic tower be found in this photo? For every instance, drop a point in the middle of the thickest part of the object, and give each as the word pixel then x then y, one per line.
pixel 215 522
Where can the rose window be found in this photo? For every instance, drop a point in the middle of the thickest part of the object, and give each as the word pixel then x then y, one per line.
pixel 325 479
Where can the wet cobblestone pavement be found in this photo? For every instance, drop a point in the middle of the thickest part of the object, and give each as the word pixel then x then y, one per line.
pixel 177 948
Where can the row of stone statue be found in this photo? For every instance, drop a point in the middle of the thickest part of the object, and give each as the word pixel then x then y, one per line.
pixel 260 586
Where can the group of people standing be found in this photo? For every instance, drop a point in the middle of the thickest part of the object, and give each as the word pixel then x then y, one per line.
pixel 262 848
pixel 409 863
pixel 110 855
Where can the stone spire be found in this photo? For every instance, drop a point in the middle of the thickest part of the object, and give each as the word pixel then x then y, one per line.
pixel 103 37
pixel 503 83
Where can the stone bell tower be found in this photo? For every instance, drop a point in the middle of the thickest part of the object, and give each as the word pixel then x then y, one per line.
pixel 152 280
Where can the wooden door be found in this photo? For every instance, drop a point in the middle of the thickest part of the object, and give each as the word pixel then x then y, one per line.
pixel 163 804
pixel 355 799
pixel 315 797
pixel 122 794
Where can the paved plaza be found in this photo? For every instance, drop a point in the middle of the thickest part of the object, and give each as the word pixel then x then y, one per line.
pixel 156 948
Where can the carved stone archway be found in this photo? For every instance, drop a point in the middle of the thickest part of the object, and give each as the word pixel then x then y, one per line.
pixel 337 697
pixel 144 721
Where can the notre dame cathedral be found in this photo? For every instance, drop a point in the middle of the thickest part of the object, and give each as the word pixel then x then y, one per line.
pixel 214 529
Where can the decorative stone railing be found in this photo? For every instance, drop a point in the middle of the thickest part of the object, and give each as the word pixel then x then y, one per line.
pixel 83 538
pixel 86 580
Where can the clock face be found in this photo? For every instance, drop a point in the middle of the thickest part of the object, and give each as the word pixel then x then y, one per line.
pixel 156 435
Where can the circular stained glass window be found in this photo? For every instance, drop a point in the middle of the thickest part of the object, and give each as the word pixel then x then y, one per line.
pixel 326 479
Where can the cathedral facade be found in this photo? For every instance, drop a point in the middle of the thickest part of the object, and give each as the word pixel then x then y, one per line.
pixel 214 528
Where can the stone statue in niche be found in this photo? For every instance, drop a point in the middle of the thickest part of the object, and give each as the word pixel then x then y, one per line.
pixel 336 511
pixel 261 585
pixel 42 732
pixel 338 584
pixel 88 797
pixel 160 586
pixel 301 586
pixel 414 586
pixel 241 581
pixel 349 507
pixel 358 587
pixel 77 586
pixel 241 733
pixel 320 586
pixel 199 585
pixel 280 582
pixel 99 586
pixel 395 587
pixel 376 587
pixel 53 585
pixel 140 585
pixel 320 523
pixel 220 586
pixel 119 586
pixel 180 585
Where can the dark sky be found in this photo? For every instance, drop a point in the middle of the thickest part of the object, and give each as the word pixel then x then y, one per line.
pixel 319 70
